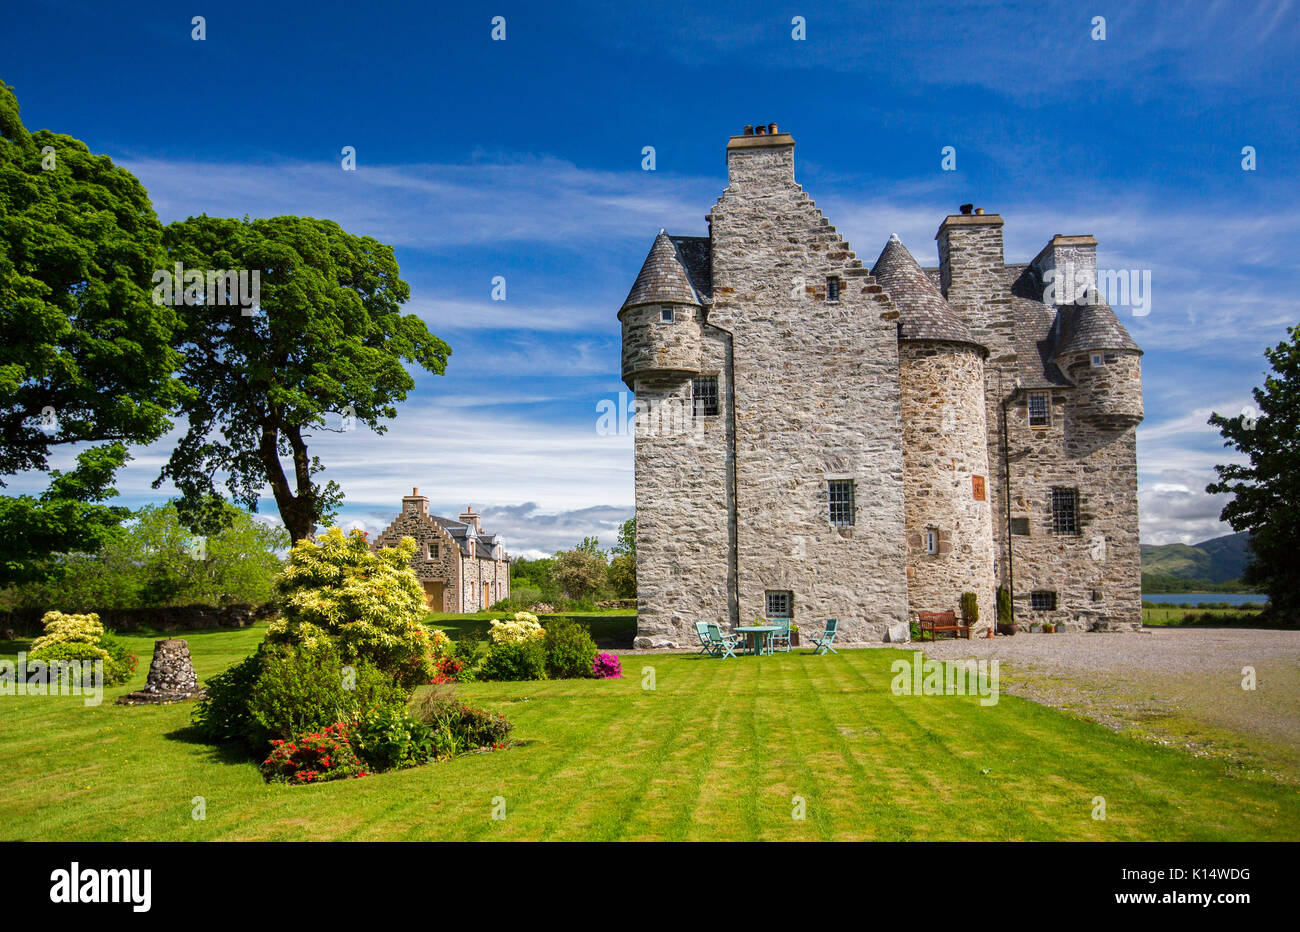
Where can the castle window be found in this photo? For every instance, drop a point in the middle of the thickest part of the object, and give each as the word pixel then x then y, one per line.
pixel 1042 601
pixel 1020 527
pixel 1040 409
pixel 779 604
pixel 666 315
pixel 841 502
pixel 977 488
pixel 832 289
pixel 1065 511
pixel 931 540
pixel 1098 359
pixel 704 392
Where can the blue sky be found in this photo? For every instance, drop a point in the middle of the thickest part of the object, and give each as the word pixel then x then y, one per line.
pixel 523 158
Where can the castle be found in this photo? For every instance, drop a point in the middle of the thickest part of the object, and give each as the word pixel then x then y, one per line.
pixel 461 568
pixel 866 444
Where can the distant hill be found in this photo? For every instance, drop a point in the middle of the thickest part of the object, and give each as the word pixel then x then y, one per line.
pixel 1214 562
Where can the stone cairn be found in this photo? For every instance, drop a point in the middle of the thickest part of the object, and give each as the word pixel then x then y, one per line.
pixel 171 676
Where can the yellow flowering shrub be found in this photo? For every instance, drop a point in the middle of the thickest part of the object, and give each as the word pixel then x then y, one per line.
pixel 522 628
pixel 369 603
pixel 68 629
pixel 443 646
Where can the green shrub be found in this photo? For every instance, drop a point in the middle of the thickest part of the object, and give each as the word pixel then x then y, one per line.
pixel 515 660
pixel 223 714
pixel 389 737
pixel 569 649
pixel 970 607
pixel 1004 606
pixel 82 638
pixel 456 727
pixel 314 757
pixel 367 601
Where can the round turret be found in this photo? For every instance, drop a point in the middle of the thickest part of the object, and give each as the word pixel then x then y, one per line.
pixel 947 515
pixel 1100 358
pixel 661 319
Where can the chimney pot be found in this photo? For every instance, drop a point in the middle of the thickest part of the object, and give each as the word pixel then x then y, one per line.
pixel 760 130
pixel 967 208
pixel 979 211
pixel 771 129
pixel 415 492
pixel 749 129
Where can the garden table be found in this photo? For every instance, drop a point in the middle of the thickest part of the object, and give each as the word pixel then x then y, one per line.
pixel 759 637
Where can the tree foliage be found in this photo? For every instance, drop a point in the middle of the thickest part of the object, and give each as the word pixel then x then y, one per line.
pixel 87 355
pixel 1266 491
pixel 325 353
pixel 581 572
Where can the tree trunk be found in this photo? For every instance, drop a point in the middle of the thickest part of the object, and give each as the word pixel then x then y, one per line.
pixel 294 511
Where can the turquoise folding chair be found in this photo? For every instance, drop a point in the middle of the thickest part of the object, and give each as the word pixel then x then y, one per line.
pixel 824 639
pixel 781 636
pixel 706 643
pixel 724 645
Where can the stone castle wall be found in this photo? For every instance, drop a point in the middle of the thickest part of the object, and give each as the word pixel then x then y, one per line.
pixel 816 396
pixel 945 476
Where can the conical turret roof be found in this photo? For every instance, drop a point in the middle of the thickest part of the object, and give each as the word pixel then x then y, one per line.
pixel 664 277
pixel 923 312
pixel 1091 325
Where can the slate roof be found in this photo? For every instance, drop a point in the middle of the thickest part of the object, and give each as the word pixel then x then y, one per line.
pixel 1092 326
pixel 923 312
pixel 676 271
pixel 459 531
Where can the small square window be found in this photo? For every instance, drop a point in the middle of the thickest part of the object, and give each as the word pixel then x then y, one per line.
pixel 1098 359
pixel 931 540
pixel 977 488
pixel 666 315
pixel 1042 601
pixel 1065 511
pixel 832 289
pixel 1040 409
pixel 1097 596
pixel 841 502
pixel 704 394
pixel 780 604
pixel 1020 527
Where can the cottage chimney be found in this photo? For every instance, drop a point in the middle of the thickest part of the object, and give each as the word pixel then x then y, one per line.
pixel 468 517
pixel 1067 268
pixel 415 503
pixel 759 158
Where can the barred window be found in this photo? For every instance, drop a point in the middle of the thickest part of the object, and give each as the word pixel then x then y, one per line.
pixel 832 289
pixel 780 605
pixel 1065 511
pixel 1040 409
pixel 841 501
pixel 704 391
pixel 1042 601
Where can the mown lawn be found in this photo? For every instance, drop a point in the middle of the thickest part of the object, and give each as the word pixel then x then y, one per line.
pixel 716 751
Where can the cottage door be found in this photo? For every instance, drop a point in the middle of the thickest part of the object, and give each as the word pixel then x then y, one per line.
pixel 433 596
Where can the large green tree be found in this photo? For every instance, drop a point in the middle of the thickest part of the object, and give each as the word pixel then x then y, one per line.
pixel 325 351
pixel 86 356
pixel 1266 493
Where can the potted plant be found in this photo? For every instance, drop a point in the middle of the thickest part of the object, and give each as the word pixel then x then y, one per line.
pixel 970 609
pixel 794 634
pixel 1049 627
pixel 1005 624
pixel 1035 627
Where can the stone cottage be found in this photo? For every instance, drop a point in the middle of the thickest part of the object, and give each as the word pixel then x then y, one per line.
pixel 816 439
pixel 461 568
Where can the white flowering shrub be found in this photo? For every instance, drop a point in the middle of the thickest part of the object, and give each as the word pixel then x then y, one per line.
pixel 524 627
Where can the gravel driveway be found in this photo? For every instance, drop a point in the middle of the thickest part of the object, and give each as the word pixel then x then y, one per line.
pixel 1180 686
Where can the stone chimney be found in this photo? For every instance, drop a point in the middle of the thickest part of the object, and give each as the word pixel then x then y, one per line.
pixel 970 256
pixel 761 156
pixel 468 517
pixel 415 503
pixel 1067 267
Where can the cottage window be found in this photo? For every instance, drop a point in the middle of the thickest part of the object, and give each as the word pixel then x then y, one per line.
pixel 832 290
pixel 1065 511
pixel 1040 409
pixel 1098 359
pixel 780 604
pixel 841 502
pixel 704 393
pixel 1042 601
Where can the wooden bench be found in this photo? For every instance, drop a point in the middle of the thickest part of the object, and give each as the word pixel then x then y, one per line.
pixel 934 622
